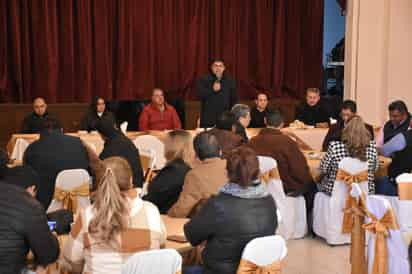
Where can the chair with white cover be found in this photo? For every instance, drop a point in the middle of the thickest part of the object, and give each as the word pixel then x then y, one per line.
pixel 72 190
pixel 151 142
pixel 293 224
pixel 404 210
pixel 19 148
pixel 386 249
pixel 123 127
pixel 164 261
pixel 328 211
pixel 265 253
pixel 147 160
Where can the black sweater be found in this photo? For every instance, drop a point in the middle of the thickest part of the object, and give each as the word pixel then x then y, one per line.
pixel 165 188
pixel 312 115
pixel 121 146
pixel 91 119
pixel 23 226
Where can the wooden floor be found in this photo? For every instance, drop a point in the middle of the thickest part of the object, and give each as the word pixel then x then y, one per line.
pixel 314 256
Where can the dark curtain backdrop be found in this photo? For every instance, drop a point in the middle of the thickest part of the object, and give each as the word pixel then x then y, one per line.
pixel 68 51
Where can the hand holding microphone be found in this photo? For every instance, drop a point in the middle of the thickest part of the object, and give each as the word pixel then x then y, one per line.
pixel 217 86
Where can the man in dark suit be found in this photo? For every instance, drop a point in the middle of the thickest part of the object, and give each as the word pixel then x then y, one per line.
pixel 52 153
pixel 217 92
pixel 293 167
pixel 33 123
pixel 348 110
pixel 117 144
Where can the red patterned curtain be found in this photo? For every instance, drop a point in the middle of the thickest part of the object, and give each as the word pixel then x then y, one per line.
pixel 68 51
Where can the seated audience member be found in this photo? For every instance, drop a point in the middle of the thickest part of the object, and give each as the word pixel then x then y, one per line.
pixel 356 143
pixel 117 225
pixel 165 188
pixel 225 133
pixel 242 211
pixel 117 144
pixel 399 148
pixel 52 153
pixel 312 112
pixel 293 167
pixel 33 123
pixel 258 113
pixel 24 177
pixel 242 116
pixel 158 115
pixel 399 121
pixel 23 226
pixel 97 111
pixel 204 180
pixel 348 110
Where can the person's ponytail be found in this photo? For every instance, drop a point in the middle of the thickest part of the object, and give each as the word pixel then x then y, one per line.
pixel 111 210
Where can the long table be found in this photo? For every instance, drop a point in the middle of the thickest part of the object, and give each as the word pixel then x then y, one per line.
pixel 18 143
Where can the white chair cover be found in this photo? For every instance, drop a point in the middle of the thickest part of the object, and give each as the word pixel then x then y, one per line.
pixel 123 127
pixel 19 148
pixel 404 209
pixel 328 210
pixel 256 251
pixel 293 221
pixel 151 142
pixel 151 154
pixel 164 261
pixel 398 262
pixel 70 179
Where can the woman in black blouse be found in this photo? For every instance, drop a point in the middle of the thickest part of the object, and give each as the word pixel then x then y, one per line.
pixel 97 111
pixel 165 188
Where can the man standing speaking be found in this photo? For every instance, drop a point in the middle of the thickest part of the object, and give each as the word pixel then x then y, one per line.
pixel 217 92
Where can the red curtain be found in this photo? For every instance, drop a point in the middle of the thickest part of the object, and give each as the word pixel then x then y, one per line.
pixel 68 51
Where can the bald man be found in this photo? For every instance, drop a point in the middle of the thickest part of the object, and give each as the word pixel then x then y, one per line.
pixel 34 122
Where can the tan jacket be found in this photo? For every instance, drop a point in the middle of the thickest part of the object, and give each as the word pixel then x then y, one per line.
pixel 200 183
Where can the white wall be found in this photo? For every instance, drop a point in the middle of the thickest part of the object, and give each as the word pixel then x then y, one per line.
pixel 378 55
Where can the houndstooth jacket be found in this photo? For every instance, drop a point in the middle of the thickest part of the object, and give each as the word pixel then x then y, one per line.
pixel 330 163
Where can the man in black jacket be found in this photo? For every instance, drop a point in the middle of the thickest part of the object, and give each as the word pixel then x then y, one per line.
pixel 117 144
pixel 217 91
pixel 52 153
pixel 33 123
pixel 312 112
pixel 23 227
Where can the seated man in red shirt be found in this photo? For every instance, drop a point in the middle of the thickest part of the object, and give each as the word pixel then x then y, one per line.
pixel 158 115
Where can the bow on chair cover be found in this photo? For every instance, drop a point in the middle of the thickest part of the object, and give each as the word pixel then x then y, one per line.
pixel 381 229
pixel 272 174
pixel 69 197
pixel 247 267
pixel 353 218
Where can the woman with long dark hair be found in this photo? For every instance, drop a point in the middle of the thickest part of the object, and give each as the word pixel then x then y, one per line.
pixel 96 112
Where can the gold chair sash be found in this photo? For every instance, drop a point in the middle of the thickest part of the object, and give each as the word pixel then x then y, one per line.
pixel 380 228
pixel 272 174
pixel 247 267
pixel 69 197
pixel 405 191
pixel 353 218
pixel 351 203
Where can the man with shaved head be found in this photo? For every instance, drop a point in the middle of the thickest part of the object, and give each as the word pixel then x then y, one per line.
pixel 33 123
